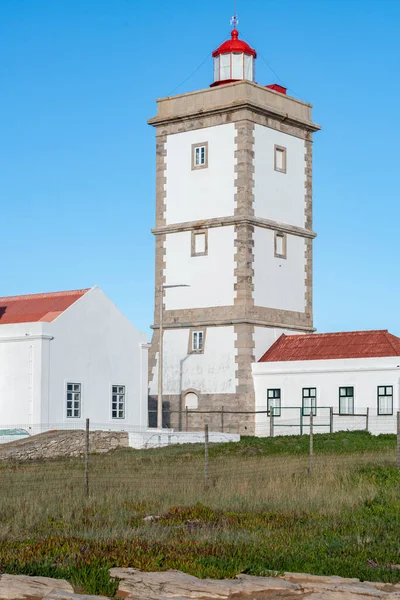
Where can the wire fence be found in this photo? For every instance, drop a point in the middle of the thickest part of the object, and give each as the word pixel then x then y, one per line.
pixel 95 457
pixel 285 420
pixel 92 480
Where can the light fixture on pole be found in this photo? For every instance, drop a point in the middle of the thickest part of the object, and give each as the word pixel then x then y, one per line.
pixel 160 351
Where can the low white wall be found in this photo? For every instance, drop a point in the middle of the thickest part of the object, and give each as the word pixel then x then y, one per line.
pixel 167 437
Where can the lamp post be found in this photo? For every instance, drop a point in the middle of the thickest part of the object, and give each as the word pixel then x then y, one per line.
pixel 160 351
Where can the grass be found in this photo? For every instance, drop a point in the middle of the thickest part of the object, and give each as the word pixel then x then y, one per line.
pixel 262 511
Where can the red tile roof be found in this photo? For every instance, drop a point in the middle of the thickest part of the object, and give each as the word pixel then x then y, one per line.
pixel 324 346
pixel 36 307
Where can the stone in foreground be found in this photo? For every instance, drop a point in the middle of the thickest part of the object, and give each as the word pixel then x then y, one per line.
pixel 137 585
pixel 20 587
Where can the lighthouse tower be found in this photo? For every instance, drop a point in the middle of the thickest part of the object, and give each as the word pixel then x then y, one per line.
pixel 234 225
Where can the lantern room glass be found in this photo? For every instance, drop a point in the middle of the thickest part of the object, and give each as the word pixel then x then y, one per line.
pixel 233 65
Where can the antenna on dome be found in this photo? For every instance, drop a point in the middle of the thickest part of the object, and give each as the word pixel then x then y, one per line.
pixel 234 20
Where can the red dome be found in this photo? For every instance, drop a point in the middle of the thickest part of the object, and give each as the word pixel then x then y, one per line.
pixel 234 45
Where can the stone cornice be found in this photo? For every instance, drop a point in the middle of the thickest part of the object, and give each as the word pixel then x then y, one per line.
pixel 234 220
pixel 231 98
pixel 254 106
pixel 227 322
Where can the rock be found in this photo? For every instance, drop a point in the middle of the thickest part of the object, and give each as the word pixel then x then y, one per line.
pixel 173 584
pixel 19 587
pixel 61 595
pixel 137 585
pixel 151 518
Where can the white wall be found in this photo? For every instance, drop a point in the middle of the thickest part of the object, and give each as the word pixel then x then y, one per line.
pixel 264 337
pixel 21 352
pixel 212 372
pixel 96 345
pixel 279 282
pixel 211 277
pixel 279 196
pixel 365 375
pixel 202 193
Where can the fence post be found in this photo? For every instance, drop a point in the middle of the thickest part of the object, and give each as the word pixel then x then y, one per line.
pixel 367 420
pixel 222 419
pixel 331 419
pixel 310 458
pixel 271 422
pixel 87 458
pixel 398 441
pixel 187 419
pixel 206 457
pixel 301 421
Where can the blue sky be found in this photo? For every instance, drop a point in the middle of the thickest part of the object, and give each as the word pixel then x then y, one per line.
pixel 79 79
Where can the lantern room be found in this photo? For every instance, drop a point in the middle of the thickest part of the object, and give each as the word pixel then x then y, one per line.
pixel 234 60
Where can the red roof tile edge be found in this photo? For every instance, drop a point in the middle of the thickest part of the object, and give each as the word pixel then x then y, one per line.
pixel 33 308
pixel 45 295
pixel 375 343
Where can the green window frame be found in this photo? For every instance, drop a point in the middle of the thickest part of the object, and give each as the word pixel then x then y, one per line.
pixel 385 400
pixel 309 401
pixel 274 401
pixel 346 400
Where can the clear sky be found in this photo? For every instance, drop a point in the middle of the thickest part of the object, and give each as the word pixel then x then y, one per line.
pixel 79 79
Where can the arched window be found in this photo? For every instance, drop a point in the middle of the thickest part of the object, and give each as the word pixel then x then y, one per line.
pixel 191 401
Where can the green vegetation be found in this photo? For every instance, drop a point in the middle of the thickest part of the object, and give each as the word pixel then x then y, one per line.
pixel 262 511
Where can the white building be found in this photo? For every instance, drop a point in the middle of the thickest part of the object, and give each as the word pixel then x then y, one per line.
pixel 233 222
pixel 68 356
pixel 354 375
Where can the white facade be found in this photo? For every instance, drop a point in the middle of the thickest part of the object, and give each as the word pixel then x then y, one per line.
pixel 279 196
pixel 364 375
pixel 279 282
pixel 204 193
pixel 211 372
pixel 210 277
pixel 91 344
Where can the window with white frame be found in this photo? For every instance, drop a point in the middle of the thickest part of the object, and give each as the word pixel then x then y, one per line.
pixel 346 400
pixel 199 243
pixel 200 155
pixel 280 245
pixel 74 397
pixel 309 401
pixel 118 402
pixel 197 341
pixel 274 401
pixel 385 400
pixel 280 159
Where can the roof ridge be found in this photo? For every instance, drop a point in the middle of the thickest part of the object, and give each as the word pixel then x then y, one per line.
pixel 45 295
pixel 331 333
pixel 389 337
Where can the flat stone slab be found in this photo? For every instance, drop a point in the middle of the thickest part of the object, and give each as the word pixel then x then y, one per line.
pixel 20 587
pixel 138 585
pixel 62 595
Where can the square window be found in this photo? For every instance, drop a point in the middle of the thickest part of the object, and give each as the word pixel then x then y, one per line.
pixel 199 156
pixel 309 401
pixel 196 341
pixel 199 244
pixel 346 401
pixel 280 245
pixel 280 159
pixel 385 400
pixel 118 402
pixel 73 398
pixel 274 401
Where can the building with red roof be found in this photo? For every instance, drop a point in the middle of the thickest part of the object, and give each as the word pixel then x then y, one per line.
pixel 68 356
pixel 347 380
